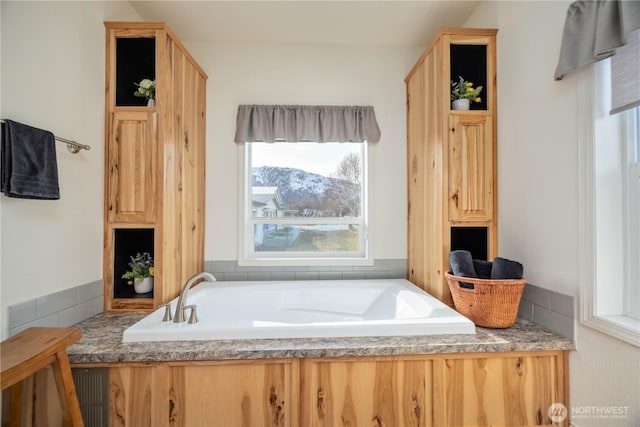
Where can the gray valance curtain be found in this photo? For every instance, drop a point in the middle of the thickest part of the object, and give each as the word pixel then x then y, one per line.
pixel 593 30
pixel 299 123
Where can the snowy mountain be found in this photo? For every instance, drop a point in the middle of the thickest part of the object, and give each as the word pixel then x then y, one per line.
pixel 290 181
pixel 305 190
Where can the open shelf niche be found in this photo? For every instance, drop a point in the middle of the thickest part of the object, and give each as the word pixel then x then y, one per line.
pixel 129 242
pixel 472 239
pixel 135 60
pixel 469 61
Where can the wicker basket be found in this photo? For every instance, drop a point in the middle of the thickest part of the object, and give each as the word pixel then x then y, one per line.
pixel 490 303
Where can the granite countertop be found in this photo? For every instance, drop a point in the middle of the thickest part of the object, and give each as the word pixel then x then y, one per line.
pixel 101 342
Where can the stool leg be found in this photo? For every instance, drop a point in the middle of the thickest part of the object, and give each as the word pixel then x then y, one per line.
pixel 26 406
pixel 17 404
pixel 67 390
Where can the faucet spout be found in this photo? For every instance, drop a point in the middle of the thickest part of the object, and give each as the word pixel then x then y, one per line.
pixel 182 300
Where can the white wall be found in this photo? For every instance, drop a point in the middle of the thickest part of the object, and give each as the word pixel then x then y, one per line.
pixel 53 78
pixel 538 189
pixel 305 74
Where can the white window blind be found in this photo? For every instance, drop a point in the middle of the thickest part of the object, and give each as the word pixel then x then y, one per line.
pixel 625 75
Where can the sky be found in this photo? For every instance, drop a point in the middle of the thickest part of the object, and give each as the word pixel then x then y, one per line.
pixel 322 159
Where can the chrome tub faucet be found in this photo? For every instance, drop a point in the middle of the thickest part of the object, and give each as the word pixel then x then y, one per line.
pixel 182 301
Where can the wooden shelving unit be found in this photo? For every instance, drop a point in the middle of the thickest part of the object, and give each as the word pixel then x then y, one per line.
pixel 451 157
pixel 154 162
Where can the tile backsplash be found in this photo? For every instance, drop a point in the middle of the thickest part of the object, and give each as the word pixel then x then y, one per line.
pixel 381 269
pixel 548 308
pixel 60 309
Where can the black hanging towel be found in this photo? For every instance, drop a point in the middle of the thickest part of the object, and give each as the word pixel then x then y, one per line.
pixel 29 164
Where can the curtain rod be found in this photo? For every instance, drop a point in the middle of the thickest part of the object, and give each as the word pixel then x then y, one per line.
pixel 72 146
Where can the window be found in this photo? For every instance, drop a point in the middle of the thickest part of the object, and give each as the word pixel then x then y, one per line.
pixel 610 210
pixel 304 203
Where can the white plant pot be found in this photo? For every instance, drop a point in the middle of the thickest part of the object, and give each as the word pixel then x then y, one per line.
pixel 461 104
pixel 151 102
pixel 143 286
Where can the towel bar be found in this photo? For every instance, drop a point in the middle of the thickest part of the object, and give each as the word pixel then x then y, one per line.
pixel 72 146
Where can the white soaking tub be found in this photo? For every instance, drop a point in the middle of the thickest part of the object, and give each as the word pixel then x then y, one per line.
pixel 304 309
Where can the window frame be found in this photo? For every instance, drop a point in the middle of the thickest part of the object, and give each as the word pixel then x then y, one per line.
pixel 248 257
pixel 618 325
pixel 631 158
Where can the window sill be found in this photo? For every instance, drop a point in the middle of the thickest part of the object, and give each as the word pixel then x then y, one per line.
pixel 621 327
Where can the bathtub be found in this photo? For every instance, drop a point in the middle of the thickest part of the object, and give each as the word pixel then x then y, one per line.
pixel 305 309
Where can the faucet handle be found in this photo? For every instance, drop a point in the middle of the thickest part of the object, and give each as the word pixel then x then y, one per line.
pixel 193 316
pixel 167 312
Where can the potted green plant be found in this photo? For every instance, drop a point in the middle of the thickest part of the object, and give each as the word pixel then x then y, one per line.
pixel 140 274
pixel 463 93
pixel 146 89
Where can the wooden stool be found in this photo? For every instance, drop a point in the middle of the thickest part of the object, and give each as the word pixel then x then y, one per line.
pixel 29 351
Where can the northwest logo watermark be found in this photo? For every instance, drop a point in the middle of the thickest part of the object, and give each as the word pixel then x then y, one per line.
pixel 557 412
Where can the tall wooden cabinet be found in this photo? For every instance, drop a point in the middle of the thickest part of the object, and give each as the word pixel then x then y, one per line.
pixel 451 157
pixel 154 162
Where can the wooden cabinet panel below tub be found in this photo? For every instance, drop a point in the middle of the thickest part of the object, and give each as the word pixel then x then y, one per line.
pixel 515 390
pixel 497 389
pixel 202 394
pixel 257 394
pixel 135 397
pixel 363 393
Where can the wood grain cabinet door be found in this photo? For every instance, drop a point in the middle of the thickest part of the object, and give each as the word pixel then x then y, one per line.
pixel 251 394
pixel 505 391
pixel 471 167
pixel 132 167
pixel 366 393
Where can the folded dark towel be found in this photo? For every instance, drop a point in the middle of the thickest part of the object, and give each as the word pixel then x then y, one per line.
pixel 462 263
pixel 483 268
pixel 29 165
pixel 506 269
